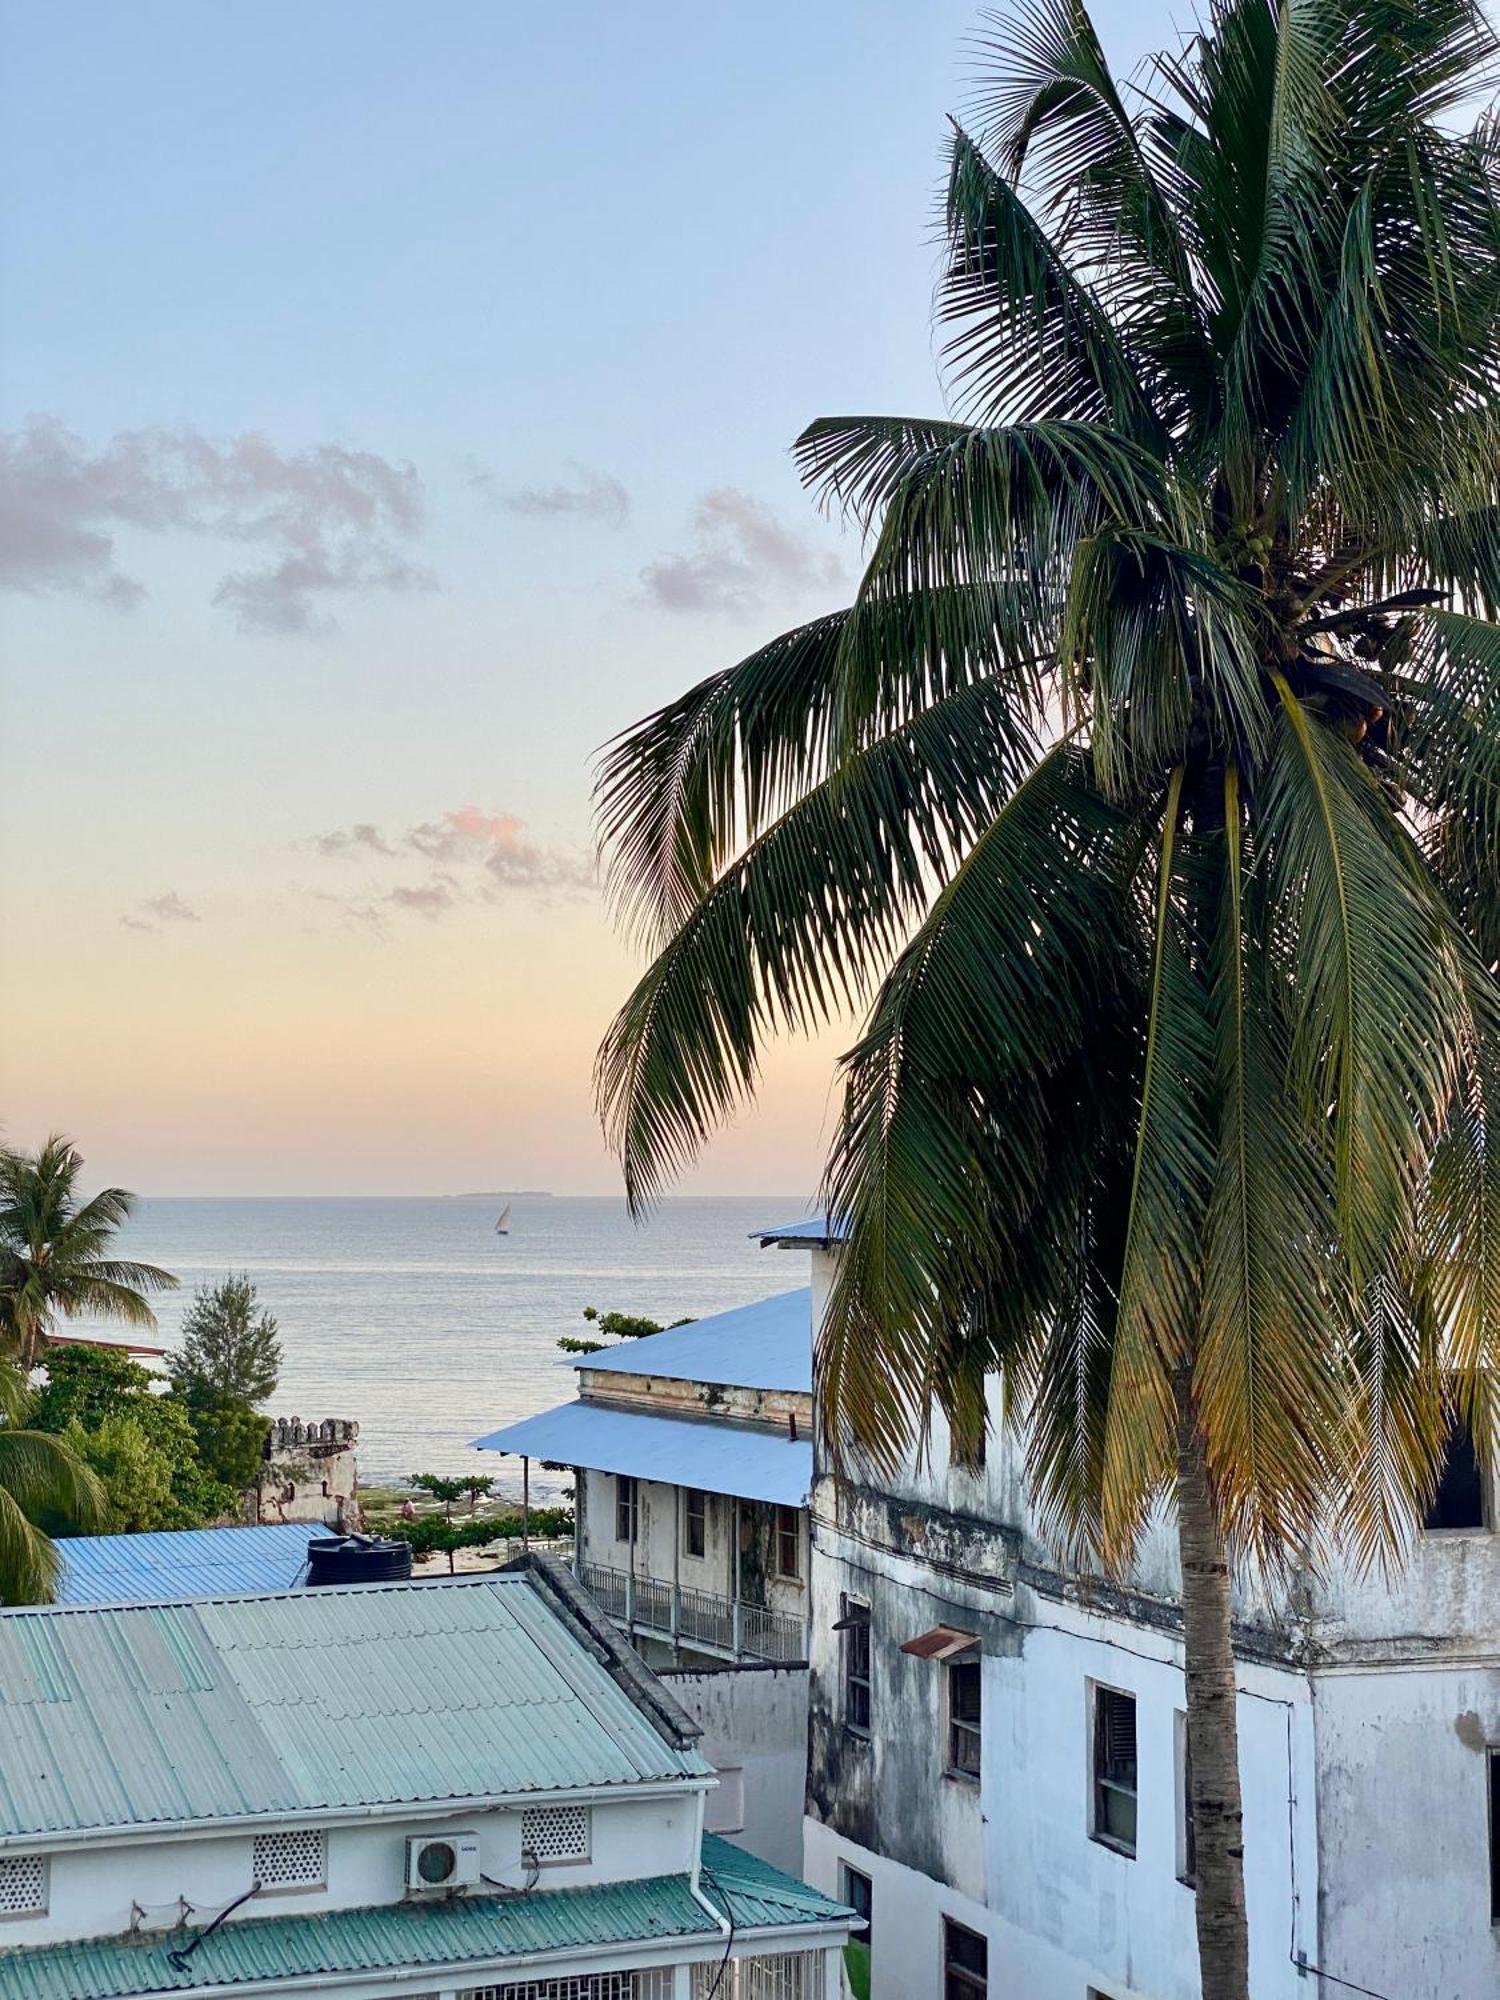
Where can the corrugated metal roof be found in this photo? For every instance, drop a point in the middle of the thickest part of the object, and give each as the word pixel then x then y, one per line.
pixel 320 1699
pixel 183 1562
pixel 684 1451
pixel 767 1345
pixel 473 1930
pixel 815 1230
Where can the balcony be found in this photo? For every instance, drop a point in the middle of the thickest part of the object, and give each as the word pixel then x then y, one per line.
pixel 701 1619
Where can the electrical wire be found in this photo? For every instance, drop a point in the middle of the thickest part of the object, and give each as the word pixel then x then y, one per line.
pixel 179 1958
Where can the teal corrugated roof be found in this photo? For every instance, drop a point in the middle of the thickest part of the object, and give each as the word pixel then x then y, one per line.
pixel 314 1700
pixel 180 1562
pixel 261 1951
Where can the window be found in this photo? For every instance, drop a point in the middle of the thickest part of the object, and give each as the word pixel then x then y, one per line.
pixel 966 1448
pixel 854 1625
pixel 293 1859
pixel 555 1833
pixel 627 1508
pixel 966 1963
pixel 962 1678
pixel 1493 1761
pixel 1187 1837
pixel 694 1522
pixel 23 1885
pixel 1114 1769
pixel 1459 1501
pixel 788 1542
pixel 858 1892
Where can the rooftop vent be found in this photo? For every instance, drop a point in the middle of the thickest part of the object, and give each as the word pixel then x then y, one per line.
pixel 356 1559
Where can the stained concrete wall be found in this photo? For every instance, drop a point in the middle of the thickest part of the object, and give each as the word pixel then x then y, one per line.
pixel 754 1723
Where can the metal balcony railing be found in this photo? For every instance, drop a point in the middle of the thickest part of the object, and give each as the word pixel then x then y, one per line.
pixel 682 1615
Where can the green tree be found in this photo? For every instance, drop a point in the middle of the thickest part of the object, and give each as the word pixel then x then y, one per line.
pixel 1146 799
pixel 90 1388
pixel 444 1490
pixel 40 1478
pixel 134 1473
pixel 617 1326
pixel 56 1251
pixel 230 1439
pixel 230 1351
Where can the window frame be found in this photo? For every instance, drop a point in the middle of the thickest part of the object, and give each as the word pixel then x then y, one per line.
pixel 963 1982
pixel 1099 1785
pixel 627 1508
pixel 849 1874
pixel 781 1535
pixel 694 1516
pixel 1492 1775
pixel 958 1728
pixel 850 1609
pixel 1187 1833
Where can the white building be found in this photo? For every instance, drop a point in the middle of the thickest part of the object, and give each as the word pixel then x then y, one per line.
pixel 458 1790
pixel 692 1452
pixel 996 1758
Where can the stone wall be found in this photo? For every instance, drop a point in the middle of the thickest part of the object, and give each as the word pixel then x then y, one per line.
pixel 310 1473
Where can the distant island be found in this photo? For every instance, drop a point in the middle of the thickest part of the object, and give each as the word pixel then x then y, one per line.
pixel 502 1194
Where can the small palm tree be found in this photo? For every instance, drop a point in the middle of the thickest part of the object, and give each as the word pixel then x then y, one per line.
pixel 39 1477
pixel 1148 796
pixel 55 1259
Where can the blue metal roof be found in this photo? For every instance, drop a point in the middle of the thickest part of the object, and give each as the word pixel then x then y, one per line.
pixel 183 1562
pixel 316 1700
pixel 767 1345
pixel 737 1459
pixel 474 1931
pixel 815 1233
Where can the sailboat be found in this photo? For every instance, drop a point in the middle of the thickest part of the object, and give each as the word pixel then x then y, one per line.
pixel 502 1221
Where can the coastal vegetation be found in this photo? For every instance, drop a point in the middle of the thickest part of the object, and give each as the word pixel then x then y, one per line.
pixel 614 1326
pixel 436 1534
pixel 57 1256
pixel 1146 800
pixel 41 1479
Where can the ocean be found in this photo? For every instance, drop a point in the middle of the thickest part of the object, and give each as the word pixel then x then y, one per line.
pixel 414 1318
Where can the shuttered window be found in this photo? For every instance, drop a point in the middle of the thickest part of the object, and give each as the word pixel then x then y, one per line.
pixel 1114 1803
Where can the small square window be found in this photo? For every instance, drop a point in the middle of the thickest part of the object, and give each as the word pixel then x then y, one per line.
pixel 627 1509
pixel 966 1963
pixel 23 1885
pixel 963 1700
pixel 694 1522
pixel 854 1632
pixel 788 1543
pixel 1114 1786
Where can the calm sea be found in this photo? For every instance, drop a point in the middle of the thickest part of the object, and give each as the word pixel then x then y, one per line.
pixel 413 1317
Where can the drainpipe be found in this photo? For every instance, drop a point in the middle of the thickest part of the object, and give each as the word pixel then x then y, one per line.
pixel 525 1506
pixel 676 1576
pixel 726 1928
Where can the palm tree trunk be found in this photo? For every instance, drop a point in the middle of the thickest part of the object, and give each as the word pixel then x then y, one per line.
pixel 1212 1727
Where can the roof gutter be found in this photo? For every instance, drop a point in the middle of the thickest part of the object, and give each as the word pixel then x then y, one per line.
pixel 65 1841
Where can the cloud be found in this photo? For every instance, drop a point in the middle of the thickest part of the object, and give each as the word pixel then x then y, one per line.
pixel 586 494
pixel 362 837
pixel 330 520
pixel 740 551
pixel 470 856
pixel 156 913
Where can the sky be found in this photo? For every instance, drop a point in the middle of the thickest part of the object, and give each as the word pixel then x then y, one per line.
pixel 397 402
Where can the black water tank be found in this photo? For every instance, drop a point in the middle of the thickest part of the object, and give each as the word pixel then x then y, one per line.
pixel 356 1559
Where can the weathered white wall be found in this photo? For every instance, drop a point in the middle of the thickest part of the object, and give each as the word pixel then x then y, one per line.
pixel 92 1888
pixel 1403 1828
pixel 754 1722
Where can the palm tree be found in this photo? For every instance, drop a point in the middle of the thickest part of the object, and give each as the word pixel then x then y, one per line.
pixel 39 1475
pixel 55 1251
pixel 1147 798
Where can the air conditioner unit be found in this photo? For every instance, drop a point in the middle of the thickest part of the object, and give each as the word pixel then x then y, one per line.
pixel 438 1861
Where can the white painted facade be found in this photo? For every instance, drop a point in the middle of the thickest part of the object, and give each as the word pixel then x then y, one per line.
pixel 754 1723
pixel 1369 1710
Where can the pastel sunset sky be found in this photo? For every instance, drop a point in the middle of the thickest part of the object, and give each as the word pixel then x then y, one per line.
pixel 397 403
